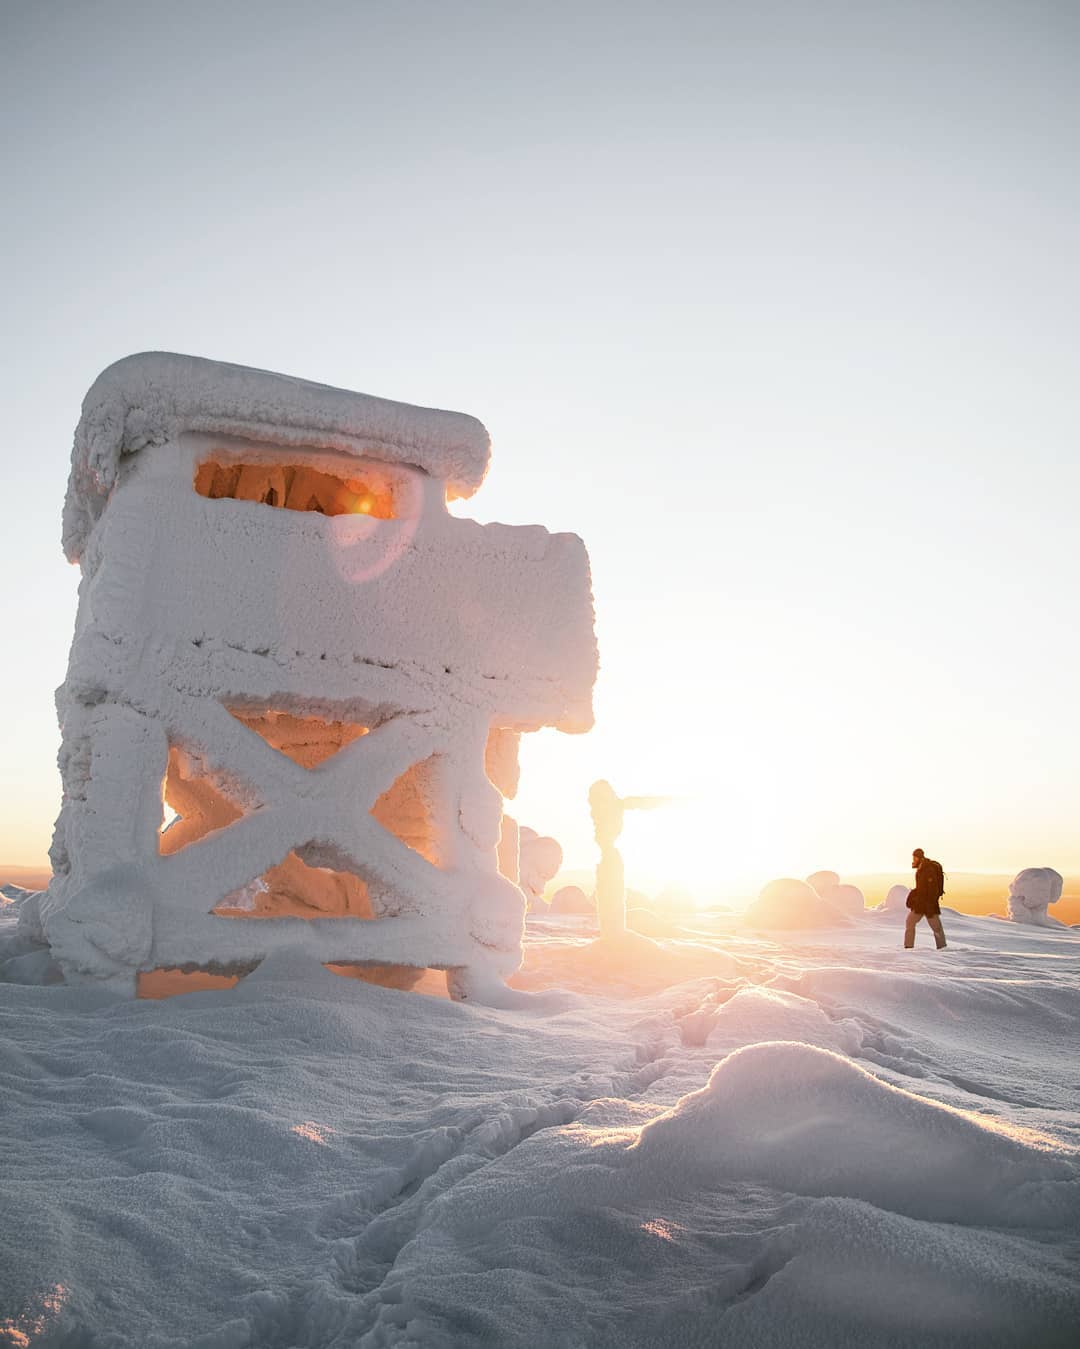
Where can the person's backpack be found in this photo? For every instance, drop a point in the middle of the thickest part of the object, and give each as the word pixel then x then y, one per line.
pixel 936 879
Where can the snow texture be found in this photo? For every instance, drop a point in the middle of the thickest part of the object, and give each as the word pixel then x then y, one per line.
pixel 331 702
pixel 816 1139
pixel 154 397
pixel 1031 892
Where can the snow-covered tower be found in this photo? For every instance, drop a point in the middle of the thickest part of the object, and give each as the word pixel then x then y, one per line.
pixel 290 667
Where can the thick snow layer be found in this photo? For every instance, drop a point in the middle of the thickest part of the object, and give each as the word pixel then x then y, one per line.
pixel 152 398
pixel 816 1140
pixel 808 1121
pixel 1031 892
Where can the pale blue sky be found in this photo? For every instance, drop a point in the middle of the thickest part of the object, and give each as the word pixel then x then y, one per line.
pixel 775 304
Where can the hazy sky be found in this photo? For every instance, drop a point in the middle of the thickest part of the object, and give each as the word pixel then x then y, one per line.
pixel 775 304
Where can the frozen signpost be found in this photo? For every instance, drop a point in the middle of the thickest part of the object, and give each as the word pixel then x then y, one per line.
pixel 289 670
pixel 608 811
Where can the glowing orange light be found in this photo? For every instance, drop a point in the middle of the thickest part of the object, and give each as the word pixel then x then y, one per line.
pixel 315 1133
pixel 297 487
pixel 21 1331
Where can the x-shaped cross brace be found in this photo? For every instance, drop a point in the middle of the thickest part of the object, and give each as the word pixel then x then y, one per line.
pixel 328 807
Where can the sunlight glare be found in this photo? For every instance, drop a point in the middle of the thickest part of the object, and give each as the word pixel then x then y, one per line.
pixel 716 849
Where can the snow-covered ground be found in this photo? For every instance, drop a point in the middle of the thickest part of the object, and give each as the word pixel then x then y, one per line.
pixel 772 1139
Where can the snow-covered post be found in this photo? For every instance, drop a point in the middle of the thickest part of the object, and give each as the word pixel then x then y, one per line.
pixel 608 812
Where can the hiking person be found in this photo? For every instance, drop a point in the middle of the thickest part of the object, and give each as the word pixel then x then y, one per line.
pixel 925 900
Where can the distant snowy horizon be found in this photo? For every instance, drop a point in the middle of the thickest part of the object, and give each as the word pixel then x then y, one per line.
pixel 970 890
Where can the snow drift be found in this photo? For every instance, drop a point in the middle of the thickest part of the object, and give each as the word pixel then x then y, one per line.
pixel 808 1121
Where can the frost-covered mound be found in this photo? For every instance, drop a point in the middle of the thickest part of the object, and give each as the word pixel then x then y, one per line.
pixel 809 1121
pixel 572 899
pixel 814 1141
pixel 847 898
pixel 1031 892
pixel 791 903
pixel 896 899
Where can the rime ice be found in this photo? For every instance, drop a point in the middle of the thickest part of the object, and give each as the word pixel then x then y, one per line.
pixel 297 683
pixel 1031 892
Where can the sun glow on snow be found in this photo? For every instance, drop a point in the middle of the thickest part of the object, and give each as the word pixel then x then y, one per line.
pixel 315 1133
pixel 21 1331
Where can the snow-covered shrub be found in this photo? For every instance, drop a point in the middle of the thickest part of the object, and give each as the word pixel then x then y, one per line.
pixel 791 903
pixel 1031 892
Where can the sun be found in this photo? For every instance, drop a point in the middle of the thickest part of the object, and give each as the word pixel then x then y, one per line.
pixel 716 849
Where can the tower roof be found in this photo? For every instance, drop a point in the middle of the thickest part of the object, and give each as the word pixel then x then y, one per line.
pixel 153 397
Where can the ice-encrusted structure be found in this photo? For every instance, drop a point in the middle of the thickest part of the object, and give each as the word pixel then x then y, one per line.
pixel 297 684
pixel 608 812
pixel 1031 892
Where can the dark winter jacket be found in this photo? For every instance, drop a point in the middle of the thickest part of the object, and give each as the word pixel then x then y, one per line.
pixel 929 887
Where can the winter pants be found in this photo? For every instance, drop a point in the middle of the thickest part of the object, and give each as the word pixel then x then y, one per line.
pixel 934 919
